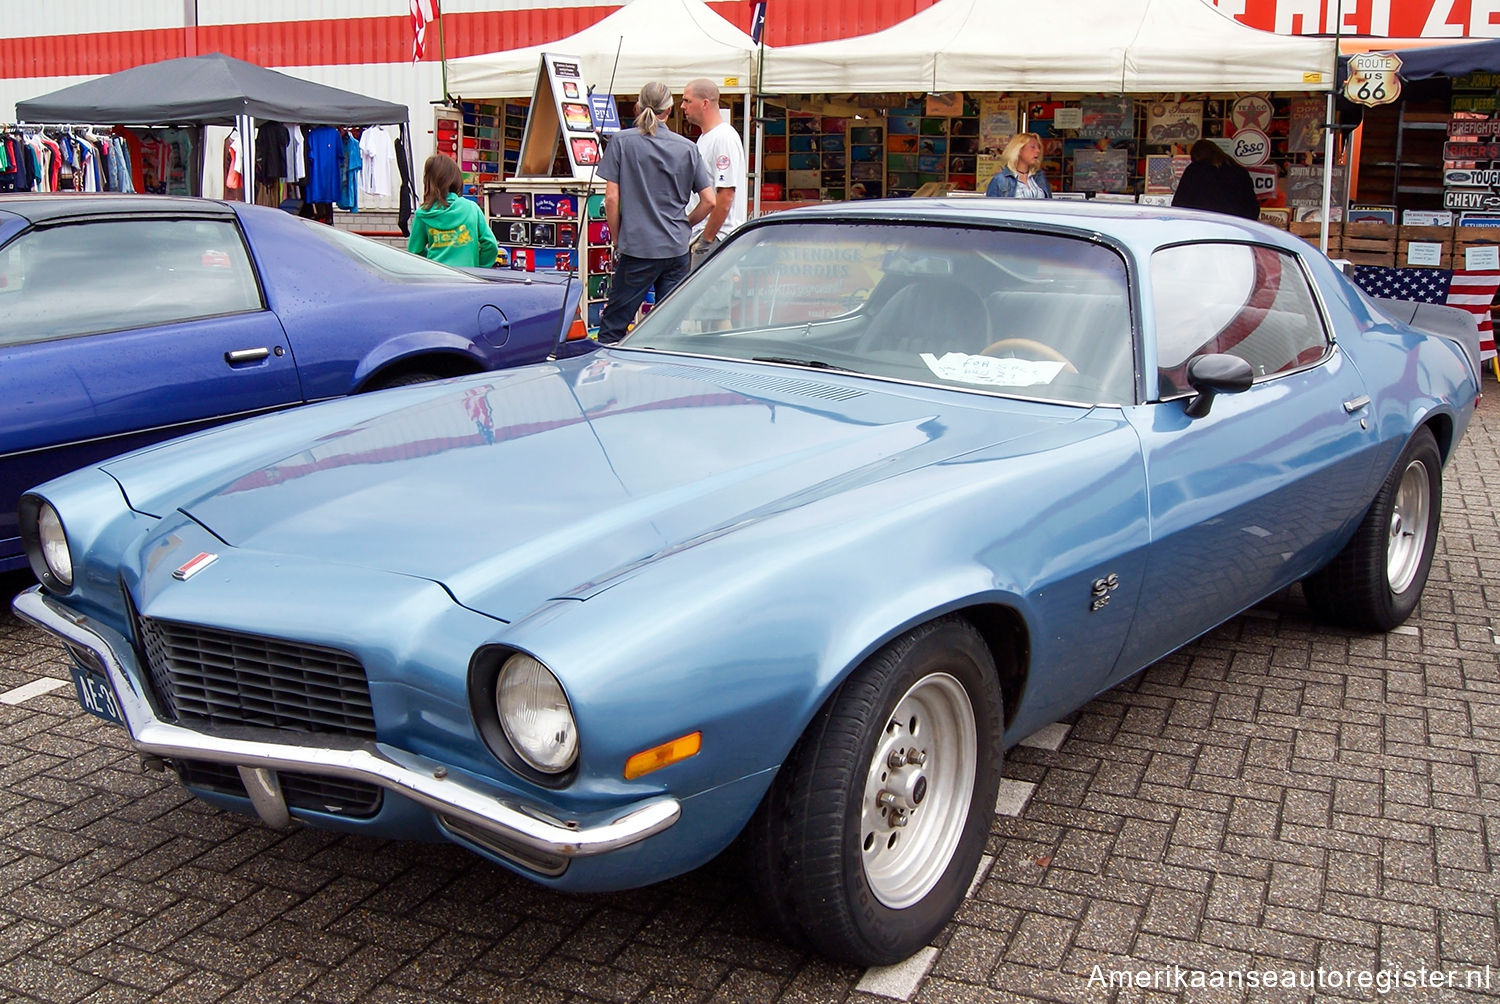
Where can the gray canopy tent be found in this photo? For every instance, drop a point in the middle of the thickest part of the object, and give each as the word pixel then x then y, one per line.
pixel 216 89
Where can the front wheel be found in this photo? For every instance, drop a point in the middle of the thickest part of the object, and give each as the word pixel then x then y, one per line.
pixel 873 829
pixel 1376 580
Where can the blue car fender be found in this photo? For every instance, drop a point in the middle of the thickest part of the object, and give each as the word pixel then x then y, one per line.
pixel 394 351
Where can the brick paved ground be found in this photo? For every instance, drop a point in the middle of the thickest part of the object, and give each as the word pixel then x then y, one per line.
pixel 1279 796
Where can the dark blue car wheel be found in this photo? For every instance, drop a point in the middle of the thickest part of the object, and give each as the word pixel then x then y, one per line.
pixel 400 380
pixel 873 829
pixel 1376 580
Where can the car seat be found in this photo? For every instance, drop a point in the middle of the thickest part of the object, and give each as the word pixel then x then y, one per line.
pixel 929 315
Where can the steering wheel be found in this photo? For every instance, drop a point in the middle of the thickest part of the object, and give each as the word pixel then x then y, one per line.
pixel 1030 345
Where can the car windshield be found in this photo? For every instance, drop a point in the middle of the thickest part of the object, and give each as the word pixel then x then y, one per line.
pixel 390 263
pixel 1003 311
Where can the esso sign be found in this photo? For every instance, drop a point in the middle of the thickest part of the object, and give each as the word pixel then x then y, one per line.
pixel 1251 147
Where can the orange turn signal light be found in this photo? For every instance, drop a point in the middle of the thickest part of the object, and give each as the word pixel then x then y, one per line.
pixel 664 755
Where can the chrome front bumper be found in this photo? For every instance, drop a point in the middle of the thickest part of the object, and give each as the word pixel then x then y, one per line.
pixel 522 833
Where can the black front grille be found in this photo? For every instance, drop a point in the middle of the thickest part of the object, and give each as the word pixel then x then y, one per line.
pixel 301 791
pixel 205 675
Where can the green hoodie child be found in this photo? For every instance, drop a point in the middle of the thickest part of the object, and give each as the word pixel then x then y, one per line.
pixel 453 232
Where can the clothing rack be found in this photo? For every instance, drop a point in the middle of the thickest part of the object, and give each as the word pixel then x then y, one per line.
pixel 86 149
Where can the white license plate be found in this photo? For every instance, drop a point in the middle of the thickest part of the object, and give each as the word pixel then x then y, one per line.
pixel 96 696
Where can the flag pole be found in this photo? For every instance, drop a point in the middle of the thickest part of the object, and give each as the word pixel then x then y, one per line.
pixel 758 29
pixel 1330 131
pixel 442 51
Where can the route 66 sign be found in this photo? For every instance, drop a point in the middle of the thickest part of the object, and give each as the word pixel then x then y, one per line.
pixel 1372 78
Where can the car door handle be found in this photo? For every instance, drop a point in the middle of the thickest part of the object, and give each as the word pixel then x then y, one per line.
pixel 246 355
pixel 1355 403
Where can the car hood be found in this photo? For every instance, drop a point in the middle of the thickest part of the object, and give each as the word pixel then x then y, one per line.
pixel 553 481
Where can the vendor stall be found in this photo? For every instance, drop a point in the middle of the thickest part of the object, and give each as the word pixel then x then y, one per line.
pixel 215 89
pixel 1131 79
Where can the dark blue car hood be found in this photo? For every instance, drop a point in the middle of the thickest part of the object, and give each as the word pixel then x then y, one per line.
pixel 550 481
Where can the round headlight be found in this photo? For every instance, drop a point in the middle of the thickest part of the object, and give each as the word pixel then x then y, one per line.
pixel 54 544
pixel 535 715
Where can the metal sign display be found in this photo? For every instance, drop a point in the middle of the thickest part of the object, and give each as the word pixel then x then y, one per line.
pixel 1372 78
pixel 1474 127
pixel 1459 150
pixel 1251 147
pixel 1470 199
pixel 1484 178
pixel 1253 111
pixel 606 113
pixel 559 113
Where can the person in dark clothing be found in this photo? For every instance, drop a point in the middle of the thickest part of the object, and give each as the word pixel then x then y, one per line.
pixel 649 172
pixel 1216 182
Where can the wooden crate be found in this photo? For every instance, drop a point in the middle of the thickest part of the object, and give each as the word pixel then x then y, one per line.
pixel 1467 237
pixel 1425 235
pixel 1374 240
pixel 1310 231
pixel 1384 258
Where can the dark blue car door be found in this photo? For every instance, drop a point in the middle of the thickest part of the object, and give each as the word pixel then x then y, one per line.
pixel 122 333
pixel 1253 495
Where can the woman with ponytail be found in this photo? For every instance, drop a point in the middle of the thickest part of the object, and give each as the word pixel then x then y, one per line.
pixel 650 174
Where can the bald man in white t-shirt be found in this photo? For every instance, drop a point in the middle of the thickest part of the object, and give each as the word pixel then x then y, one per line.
pixel 723 154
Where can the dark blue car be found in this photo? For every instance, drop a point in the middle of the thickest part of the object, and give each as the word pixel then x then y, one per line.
pixel 130 319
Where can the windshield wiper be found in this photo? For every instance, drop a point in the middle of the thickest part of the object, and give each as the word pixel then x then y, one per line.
pixel 816 364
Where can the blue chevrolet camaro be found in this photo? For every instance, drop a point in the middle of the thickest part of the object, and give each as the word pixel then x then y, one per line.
pixel 881 490
pixel 132 319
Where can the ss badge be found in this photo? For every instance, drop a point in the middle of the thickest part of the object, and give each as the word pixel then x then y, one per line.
pixel 1102 588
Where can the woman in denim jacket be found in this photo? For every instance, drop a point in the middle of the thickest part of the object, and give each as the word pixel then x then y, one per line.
pixel 1020 177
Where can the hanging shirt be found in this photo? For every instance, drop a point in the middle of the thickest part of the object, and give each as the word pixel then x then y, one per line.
pixel 233 176
pixel 349 168
pixel 296 155
pixel 270 152
pixel 54 163
pixel 178 175
pixel 323 148
pixel 378 152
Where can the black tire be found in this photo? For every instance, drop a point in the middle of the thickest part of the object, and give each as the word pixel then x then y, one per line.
pixel 1376 580
pixel 402 380
pixel 825 858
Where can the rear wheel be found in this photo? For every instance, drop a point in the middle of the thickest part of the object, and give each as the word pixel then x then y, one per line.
pixel 402 380
pixel 873 829
pixel 1376 580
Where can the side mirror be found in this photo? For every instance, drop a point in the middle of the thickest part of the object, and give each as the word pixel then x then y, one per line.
pixel 1216 373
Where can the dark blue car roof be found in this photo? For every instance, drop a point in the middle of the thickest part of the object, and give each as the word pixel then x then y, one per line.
pixel 45 208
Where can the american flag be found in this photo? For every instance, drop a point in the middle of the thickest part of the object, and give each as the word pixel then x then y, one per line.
pixel 1472 291
pixel 423 13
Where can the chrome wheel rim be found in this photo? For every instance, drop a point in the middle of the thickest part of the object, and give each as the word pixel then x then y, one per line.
pixel 1408 532
pixel 917 790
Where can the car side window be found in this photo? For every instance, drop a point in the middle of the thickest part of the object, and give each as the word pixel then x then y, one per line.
pixel 1245 300
pixel 112 275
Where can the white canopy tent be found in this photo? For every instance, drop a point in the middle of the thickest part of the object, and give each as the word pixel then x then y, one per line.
pixel 673 41
pixel 1077 46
